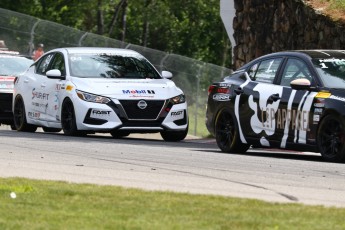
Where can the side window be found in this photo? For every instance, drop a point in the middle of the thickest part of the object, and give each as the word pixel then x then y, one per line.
pixel 267 70
pixel 43 65
pixel 252 71
pixel 295 69
pixel 58 63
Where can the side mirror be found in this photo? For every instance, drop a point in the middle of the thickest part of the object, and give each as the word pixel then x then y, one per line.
pixel 54 74
pixel 166 74
pixel 300 84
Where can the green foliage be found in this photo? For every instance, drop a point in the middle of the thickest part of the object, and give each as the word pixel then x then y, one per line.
pixel 197 126
pixel 338 4
pixel 59 205
pixel 191 28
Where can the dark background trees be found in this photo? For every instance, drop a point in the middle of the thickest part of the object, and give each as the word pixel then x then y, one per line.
pixel 191 28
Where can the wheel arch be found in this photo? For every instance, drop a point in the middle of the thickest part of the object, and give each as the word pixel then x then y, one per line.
pixel 16 98
pixel 228 136
pixel 334 142
pixel 221 108
pixel 325 114
pixel 63 102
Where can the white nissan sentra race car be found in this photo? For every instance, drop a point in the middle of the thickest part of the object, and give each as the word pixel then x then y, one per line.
pixel 86 90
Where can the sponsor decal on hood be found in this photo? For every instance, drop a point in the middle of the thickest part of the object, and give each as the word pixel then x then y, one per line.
pixel 127 88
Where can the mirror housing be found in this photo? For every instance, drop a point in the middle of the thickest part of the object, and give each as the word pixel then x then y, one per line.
pixel 300 84
pixel 167 74
pixel 55 74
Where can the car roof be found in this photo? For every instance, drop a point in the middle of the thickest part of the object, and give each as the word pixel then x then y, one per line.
pixel 312 53
pixel 93 50
pixel 8 52
pixel 308 54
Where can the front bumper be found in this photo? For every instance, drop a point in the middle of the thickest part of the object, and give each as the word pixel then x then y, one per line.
pixel 126 115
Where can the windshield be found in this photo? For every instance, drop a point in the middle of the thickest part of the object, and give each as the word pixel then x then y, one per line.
pixel 331 71
pixel 111 66
pixel 13 65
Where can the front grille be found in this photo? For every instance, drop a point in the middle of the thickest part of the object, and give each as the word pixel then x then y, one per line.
pixel 151 112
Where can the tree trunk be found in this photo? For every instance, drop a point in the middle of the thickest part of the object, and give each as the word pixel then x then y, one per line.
pixel 146 24
pixel 114 18
pixel 124 20
pixel 100 20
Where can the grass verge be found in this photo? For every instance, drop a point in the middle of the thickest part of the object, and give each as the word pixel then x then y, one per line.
pixel 333 8
pixel 197 116
pixel 59 205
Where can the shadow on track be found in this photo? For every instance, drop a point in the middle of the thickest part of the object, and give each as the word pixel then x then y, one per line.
pixel 276 153
pixel 197 145
pixel 102 138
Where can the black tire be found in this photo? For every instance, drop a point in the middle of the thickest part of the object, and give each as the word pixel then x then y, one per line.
pixel 226 132
pixel 331 137
pixel 119 133
pixel 19 117
pixel 51 130
pixel 174 135
pixel 68 122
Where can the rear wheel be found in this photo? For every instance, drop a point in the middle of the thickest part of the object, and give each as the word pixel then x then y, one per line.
pixel 174 135
pixel 68 121
pixel 331 137
pixel 20 117
pixel 226 132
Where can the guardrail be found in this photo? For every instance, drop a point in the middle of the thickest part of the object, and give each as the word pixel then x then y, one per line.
pixel 21 32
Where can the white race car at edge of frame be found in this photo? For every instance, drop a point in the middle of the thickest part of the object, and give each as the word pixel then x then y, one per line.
pixel 85 90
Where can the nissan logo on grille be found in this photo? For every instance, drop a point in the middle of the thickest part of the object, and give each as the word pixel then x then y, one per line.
pixel 142 104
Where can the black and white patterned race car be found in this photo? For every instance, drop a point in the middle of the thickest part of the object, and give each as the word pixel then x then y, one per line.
pixel 86 90
pixel 290 100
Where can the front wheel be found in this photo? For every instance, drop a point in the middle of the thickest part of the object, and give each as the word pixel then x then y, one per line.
pixel 19 116
pixel 226 132
pixel 68 121
pixel 174 135
pixel 331 137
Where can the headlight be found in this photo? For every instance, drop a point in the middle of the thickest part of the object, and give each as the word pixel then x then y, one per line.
pixel 92 97
pixel 178 99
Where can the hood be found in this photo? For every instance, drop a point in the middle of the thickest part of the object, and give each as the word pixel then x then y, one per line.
pixel 128 88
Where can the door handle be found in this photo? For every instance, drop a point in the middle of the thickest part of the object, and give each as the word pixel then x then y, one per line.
pixel 274 97
pixel 26 80
pixel 239 91
pixel 43 85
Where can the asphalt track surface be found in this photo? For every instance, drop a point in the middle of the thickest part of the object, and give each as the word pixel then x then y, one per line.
pixel 194 166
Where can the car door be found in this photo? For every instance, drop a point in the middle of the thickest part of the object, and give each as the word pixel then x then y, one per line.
pixel 259 101
pixel 35 97
pixel 52 87
pixel 293 117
